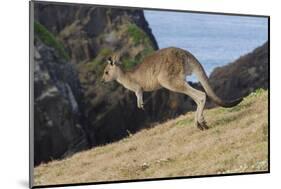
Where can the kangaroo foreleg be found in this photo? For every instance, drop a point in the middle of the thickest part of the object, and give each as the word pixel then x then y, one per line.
pixel 139 95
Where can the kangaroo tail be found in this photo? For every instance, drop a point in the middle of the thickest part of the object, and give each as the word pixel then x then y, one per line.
pixel 203 79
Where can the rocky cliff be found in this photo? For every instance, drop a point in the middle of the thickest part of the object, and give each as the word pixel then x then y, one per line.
pixel 87 30
pixel 84 36
pixel 243 76
pixel 239 78
pixel 58 127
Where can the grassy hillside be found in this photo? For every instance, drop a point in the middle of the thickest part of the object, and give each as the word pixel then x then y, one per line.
pixel 236 142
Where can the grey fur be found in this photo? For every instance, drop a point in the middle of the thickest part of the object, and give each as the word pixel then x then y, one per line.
pixel 166 68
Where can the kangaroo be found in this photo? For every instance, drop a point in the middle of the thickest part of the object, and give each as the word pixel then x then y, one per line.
pixel 166 68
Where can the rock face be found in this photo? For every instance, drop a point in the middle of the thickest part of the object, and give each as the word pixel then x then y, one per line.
pixel 86 30
pixel 239 78
pixel 243 76
pixel 57 116
pixel 106 112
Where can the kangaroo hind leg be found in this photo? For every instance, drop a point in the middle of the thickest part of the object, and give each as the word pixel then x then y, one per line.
pixel 181 86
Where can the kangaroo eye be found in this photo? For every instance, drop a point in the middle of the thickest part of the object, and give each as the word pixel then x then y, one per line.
pixel 106 72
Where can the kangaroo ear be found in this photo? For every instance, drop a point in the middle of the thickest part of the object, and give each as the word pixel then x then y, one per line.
pixel 115 58
pixel 110 61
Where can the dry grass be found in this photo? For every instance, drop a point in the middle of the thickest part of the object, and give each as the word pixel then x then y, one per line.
pixel 236 142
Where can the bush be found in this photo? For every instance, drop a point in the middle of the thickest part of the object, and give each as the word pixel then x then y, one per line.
pixel 136 33
pixel 105 52
pixel 129 63
pixel 258 92
pixel 48 38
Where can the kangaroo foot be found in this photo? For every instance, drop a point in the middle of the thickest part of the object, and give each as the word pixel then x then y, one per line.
pixel 198 125
pixel 202 126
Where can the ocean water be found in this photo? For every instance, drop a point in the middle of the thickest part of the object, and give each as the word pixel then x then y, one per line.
pixel 215 40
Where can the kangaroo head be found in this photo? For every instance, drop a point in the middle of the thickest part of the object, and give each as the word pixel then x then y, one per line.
pixel 112 70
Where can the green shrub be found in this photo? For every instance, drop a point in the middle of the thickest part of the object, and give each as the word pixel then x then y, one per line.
pixel 184 122
pixel 48 38
pixel 105 52
pixel 136 33
pixel 259 91
pixel 129 63
pixel 95 66
pixel 147 51
pixel 139 37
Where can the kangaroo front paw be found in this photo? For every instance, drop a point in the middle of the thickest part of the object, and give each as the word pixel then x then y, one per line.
pixel 141 106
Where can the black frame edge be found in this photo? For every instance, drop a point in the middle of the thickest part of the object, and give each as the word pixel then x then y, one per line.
pixel 268 142
pixel 31 94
